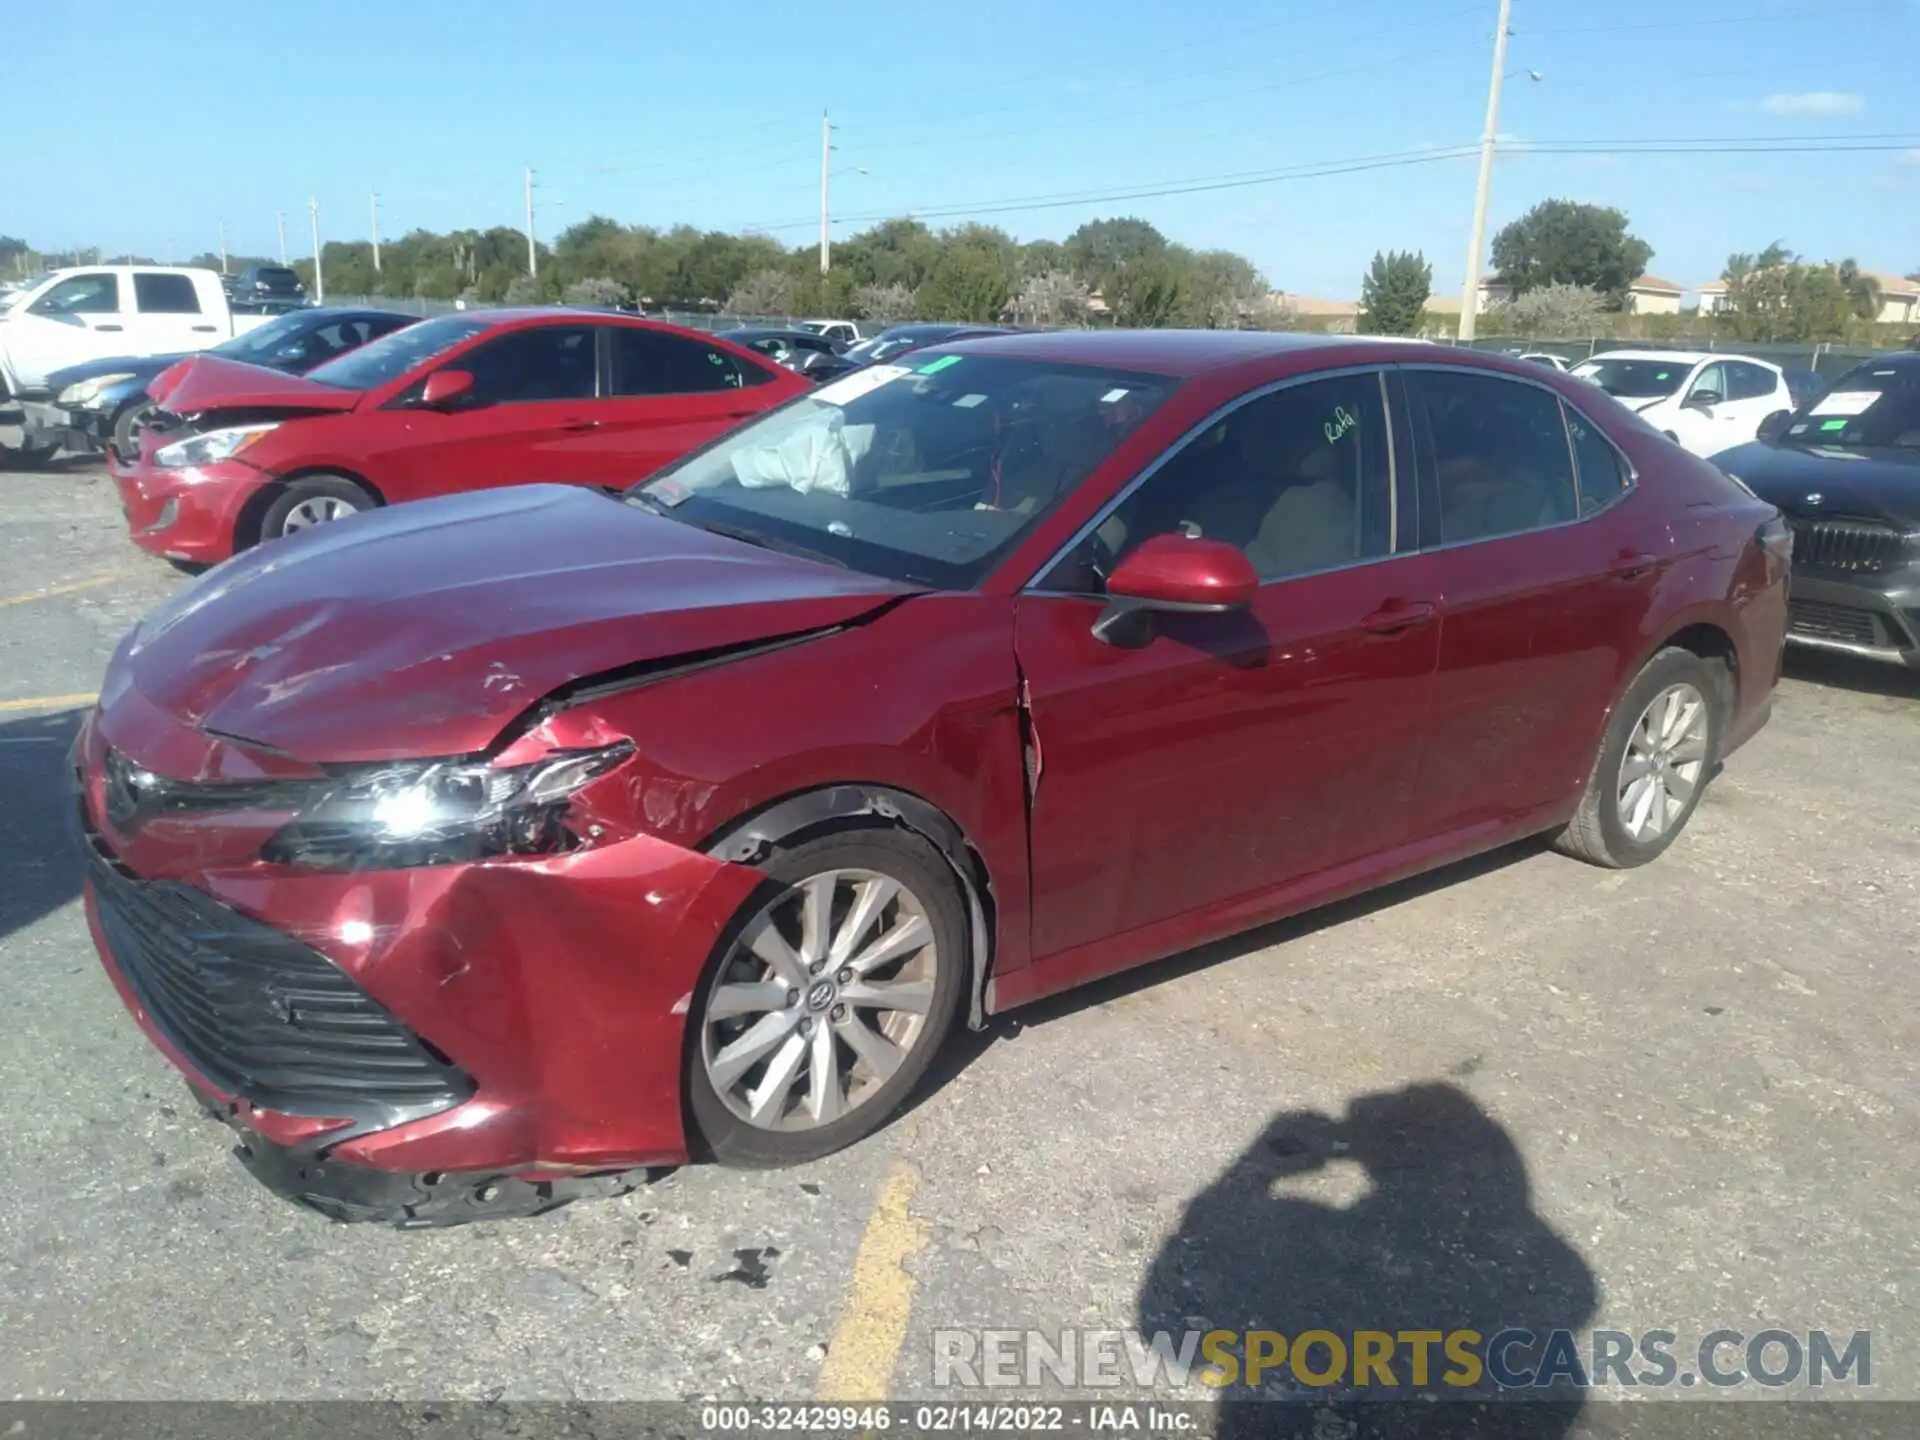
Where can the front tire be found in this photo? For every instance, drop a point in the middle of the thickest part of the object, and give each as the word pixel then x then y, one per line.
pixel 1654 763
pixel 826 998
pixel 126 427
pixel 313 500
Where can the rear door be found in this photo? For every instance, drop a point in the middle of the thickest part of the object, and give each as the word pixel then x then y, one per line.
pixel 1753 393
pixel 1184 784
pixel 1545 581
pixel 530 417
pixel 667 394
pixel 168 317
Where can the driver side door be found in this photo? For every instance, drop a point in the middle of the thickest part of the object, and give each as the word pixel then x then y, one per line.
pixel 1192 786
pixel 1700 415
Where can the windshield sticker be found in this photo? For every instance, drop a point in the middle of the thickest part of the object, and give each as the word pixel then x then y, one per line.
pixel 860 382
pixel 1799 429
pixel 967 402
pixel 1119 393
pixel 934 367
pixel 1340 424
pixel 1846 402
pixel 1839 424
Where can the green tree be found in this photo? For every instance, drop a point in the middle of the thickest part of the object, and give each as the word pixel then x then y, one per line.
pixel 1144 294
pixel 765 292
pixel 1564 242
pixel 1863 291
pixel 1556 312
pixel 886 304
pixel 966 283
pixel 1394 293
pixel 1055 298
pixel 597 292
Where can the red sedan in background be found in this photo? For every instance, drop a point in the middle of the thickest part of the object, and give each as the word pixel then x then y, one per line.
pixel 463 402
pixel 480 848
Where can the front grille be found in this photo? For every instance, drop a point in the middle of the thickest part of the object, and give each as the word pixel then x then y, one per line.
pixel 258 1013
pixel 1859 547
pixel 1818 620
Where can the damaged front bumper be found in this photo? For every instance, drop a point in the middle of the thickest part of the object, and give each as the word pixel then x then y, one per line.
pixel 417 1046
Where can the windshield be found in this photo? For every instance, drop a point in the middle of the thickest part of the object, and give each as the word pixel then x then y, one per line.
pixel 267 338
pixel 1870 407
pixel 394 354
pixel 1635 379
pixel 925 474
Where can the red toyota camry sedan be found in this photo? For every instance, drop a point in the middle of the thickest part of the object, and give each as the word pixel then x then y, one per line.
pixel 487 850
pixel 464 402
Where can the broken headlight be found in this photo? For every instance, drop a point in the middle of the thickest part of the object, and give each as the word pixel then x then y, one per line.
pixel 441 812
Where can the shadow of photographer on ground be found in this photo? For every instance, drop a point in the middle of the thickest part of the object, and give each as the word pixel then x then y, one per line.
pixel 1410 1214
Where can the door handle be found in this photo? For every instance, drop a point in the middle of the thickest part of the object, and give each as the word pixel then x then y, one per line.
pixel 1628 565
pixel 115 328
pixel 204 329
pixel 581 425
pixel 1398 615
pixel 740 414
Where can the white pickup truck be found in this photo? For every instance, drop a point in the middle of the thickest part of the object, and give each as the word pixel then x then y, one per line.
pixel 92 312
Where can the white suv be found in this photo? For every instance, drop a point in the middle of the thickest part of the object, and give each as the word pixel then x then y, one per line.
pixel 1708 403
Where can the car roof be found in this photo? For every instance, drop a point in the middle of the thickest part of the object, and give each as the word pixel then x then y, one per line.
pixel 1191 352
pixel 1691 357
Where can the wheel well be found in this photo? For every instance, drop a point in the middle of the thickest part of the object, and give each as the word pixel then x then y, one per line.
pixel 1710 642
pixel 812 813
pixel 246 528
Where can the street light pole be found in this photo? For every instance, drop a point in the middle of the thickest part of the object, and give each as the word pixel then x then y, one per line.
pixel 1470 294
pixel 319 276
pixel 223 247
pixel 533 255
pixel 280 224
pixel 376 232
pixel 826 153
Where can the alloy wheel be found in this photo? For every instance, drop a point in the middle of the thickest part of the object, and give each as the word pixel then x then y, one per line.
pixel 317 511
pixel 1665 759
pixel 820 1000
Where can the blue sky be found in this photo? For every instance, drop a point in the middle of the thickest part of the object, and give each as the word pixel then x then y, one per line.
pixel 143 127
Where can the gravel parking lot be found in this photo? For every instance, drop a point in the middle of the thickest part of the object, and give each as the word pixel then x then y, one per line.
pixel 1679 1098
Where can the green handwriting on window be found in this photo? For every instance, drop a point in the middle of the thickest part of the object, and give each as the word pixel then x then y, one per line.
pixel 1340 424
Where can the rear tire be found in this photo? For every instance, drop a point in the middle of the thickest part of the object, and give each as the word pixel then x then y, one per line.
pixel 856 1058
pixel 1655 762
pixel 313 500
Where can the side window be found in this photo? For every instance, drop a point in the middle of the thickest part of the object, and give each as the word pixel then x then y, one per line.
pixel 649 362
pixel 1748 382
pixel 1711 381
pixel 548 362
pixel 1299 479
pixel 81 295
pixel 165 295
pixel 1500 454
pixel 1603 473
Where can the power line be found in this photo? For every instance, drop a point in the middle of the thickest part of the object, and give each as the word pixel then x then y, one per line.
pixel 1765 18
pixel 1325 169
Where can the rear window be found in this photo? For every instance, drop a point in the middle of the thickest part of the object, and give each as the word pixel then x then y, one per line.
pixel 165 295
pixel 275 278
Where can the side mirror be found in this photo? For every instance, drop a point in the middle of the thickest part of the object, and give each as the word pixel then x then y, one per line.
pixel 445 388
pixel 1774 426
pixel 1170 574
pixel 1701 399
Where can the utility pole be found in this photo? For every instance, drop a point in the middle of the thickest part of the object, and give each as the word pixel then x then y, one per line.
pixel 376 232
pixel 223 247
pixel 533 253
pixel 1470 296
pixel 826 153
pixel 319 277
pixel 280 224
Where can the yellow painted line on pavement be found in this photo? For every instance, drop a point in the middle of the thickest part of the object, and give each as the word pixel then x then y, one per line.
pixel 50 702
pixel 873 1318
pixel 72 587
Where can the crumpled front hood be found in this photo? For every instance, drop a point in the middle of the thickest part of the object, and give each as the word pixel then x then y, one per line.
pixel 202 384
pixel 424 629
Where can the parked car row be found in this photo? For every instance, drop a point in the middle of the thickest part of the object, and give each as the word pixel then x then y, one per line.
pixel 873 708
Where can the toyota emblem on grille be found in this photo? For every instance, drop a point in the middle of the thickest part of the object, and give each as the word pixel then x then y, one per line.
pixel 129 788
pixel 1813 500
